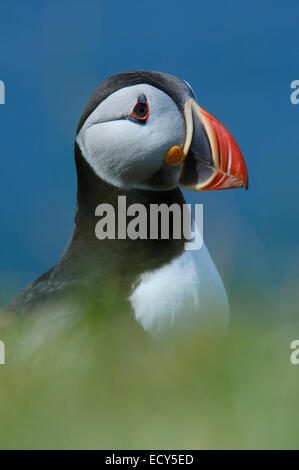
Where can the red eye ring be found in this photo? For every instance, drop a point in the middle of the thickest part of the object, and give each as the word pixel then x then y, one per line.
pixel 140 111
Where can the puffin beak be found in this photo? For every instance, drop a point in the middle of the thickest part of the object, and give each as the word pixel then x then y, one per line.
pixel 213 159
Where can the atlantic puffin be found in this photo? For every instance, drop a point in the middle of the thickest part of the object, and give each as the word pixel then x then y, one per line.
pixel 142 135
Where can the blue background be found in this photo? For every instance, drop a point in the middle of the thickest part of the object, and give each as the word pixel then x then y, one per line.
pixel 240 59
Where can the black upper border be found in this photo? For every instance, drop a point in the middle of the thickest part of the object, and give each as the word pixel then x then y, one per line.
pixel 176 88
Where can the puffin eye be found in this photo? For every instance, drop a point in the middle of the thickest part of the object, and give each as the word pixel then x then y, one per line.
pixel 140 111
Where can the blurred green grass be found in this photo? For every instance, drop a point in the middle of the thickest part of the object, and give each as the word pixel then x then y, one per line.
pixel 99 382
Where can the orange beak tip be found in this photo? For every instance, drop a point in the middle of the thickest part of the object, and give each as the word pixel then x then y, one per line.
pixel 224 167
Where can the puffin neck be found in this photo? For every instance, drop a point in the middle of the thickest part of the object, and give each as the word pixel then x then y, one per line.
pixel 92 191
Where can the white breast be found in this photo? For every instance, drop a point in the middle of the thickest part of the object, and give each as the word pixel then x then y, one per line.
pixel 183 293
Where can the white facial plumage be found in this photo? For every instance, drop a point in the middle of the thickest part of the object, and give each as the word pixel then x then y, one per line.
pixel 128 154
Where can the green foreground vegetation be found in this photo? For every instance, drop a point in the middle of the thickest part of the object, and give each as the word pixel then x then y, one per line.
pixel 99 382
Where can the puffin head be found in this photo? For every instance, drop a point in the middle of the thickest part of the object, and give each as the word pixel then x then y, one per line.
pixel 145 130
